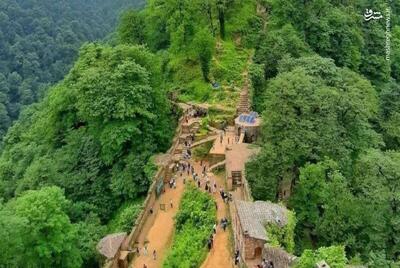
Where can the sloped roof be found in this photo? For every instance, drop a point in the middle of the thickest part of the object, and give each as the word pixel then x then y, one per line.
pixel 254 216
pixel 109 245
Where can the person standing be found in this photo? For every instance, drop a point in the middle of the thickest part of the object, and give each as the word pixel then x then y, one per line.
pixel 145 250
pixel 172 204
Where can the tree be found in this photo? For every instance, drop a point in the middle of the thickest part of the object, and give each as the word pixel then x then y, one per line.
pixel 204 46
pixel 313 110
pixel 221 17
pixel 376 183
pixel 334 256
pixel 275 44
pixel 131 28
pixel 390 114
pixel 50 238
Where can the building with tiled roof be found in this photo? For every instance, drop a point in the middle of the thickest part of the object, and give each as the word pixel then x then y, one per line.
pixel 250 220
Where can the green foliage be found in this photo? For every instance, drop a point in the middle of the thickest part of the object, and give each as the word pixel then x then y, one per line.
pixel 275 44
pixel 44 235
pixel 204 46
pixel 202 151
pixel 229 63
pixel 334 256
pixel 130 29
pixel 125 217
pixel 390 115
pixel 283 236
pixel 194 223
pixel 92 136
pixel 311 113
pixel 257 77
pixel 40 41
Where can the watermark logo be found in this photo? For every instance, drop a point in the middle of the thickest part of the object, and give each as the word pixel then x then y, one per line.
pixel 369 14
pixel 372 15
pixel 388 33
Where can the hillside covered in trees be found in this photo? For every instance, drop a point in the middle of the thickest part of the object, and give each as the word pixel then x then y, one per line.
pixel 329 99
pixel 331 103
pixel 39 41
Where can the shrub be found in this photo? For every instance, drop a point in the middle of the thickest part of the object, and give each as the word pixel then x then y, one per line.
pixel 125 217
pixel 334 256
pixel 202 150
pixel 194 223
pixel 283 237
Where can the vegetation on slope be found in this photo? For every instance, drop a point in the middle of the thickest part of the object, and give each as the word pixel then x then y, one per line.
pixel 39 42
pixel 92 135
pixel 330 105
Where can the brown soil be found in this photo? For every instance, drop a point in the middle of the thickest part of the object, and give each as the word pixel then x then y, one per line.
pixel 220 255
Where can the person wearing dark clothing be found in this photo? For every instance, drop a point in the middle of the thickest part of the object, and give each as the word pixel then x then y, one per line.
pixel 154 255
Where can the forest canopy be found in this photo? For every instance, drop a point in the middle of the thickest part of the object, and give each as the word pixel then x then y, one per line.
pixel 39 41
pixel 92 136
pixel 329 99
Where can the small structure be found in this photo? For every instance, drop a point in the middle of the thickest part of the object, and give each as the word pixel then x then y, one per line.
pixel 250 220
pixel 322 264
pixel 248 124
pixel 109 247
pixel 236 157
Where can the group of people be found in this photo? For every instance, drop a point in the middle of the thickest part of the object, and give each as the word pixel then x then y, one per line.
pixel 145 253
pixel 227 197
pixel 266 264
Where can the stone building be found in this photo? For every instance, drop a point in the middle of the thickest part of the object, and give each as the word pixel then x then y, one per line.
pixel 248 125
pixel 110 248
pixel 250 220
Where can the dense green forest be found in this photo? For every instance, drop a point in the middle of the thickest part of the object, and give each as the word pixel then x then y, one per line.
pixel 330 103
pixel 39 40
pixel 331 107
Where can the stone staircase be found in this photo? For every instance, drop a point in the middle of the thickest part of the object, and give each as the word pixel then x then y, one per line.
pixel 244 102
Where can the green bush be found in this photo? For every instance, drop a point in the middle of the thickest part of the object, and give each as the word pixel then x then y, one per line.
pixel 283 237
pixel 125 217
pixel 334 256
pixel 194 223
pixel 203 150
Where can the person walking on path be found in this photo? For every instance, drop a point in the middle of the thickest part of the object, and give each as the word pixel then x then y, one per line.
pixel 154 255
pixel 145 251
pixel 172 204
pixel 215 228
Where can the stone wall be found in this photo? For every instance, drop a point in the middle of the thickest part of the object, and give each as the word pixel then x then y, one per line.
pixel 250 246
pixel 148 203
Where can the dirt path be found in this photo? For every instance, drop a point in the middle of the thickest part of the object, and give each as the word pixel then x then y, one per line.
pixel 159 229
pixel 220 255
